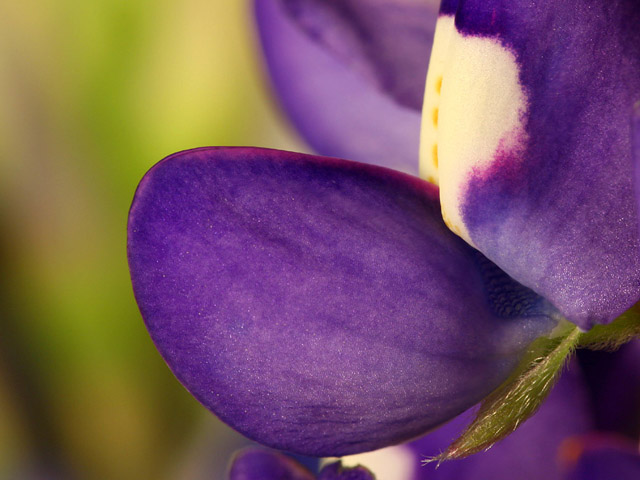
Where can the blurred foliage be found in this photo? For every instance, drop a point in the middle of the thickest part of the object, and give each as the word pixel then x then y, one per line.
pixel 92 94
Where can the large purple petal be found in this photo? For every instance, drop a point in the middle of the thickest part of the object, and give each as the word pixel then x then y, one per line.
pixel 319 305
pixel 533 145
pixel 260 464
pixel 351 74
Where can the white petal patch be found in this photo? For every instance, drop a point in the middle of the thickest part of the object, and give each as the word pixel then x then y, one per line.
pixel 392 463
pixel 480 118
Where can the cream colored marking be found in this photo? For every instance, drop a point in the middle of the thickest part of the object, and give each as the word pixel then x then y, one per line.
pixel 480 111
pixel 435 156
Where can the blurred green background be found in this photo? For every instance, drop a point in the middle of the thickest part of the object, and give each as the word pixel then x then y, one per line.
pixel 92 94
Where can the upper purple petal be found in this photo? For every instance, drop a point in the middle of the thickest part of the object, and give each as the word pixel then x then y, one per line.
pixel 556 211
pixel 386 41
pixel 351 74
pixel 318 305
pixel 260 464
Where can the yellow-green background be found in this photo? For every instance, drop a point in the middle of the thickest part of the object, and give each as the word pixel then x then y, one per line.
pixel 92 93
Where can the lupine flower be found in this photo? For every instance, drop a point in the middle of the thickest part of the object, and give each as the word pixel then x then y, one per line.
pixel 322 306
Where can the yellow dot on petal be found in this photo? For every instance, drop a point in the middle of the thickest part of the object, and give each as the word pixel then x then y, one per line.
pixel 439 85
pixel 435 155
pixel 435 117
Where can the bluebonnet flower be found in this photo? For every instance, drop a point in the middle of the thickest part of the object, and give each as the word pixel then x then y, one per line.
pixel 322 306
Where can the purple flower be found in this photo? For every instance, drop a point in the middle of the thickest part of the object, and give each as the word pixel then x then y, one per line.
pixel 322 306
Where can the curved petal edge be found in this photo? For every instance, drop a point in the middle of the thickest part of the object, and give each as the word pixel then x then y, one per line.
pixel 318 305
